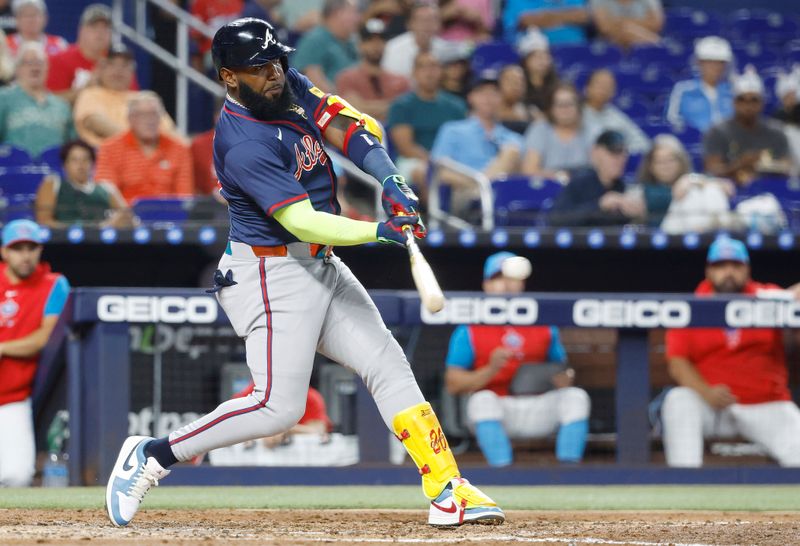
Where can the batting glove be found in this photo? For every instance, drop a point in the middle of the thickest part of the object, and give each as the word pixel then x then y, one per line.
pixel 391 231
pixel 397 197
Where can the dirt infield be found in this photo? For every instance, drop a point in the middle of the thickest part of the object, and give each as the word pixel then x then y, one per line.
pixel 283 527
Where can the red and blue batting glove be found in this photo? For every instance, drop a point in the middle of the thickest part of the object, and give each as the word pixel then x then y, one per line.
pixel 397 197
pixel 391 231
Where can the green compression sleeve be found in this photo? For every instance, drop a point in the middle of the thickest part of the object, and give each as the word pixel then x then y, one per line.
pixel 312 226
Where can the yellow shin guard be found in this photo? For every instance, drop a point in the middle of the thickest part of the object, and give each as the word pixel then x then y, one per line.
pixel 419 430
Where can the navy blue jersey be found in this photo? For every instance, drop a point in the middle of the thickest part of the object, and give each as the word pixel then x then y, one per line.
pixel 264 166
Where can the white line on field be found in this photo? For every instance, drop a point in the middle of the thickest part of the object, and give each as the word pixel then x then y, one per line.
pixel 503 538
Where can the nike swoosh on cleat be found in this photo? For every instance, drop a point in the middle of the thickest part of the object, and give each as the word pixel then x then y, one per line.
pixel 452 509
pixel 125 466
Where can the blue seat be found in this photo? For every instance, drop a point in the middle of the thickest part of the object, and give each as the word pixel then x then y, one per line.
pixel 51 158
pixel 691 23
pixel 162 209
pixel 17 182
pixel 493 56
pixel 522 201
pixel 19 206
pixel 11 157
pixel 764 26
pixel 653 129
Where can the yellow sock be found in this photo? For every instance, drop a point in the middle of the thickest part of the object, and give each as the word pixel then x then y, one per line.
pixel 419 430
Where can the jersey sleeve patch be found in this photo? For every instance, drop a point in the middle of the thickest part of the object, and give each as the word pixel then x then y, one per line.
pixel 264 175
pixel 58 297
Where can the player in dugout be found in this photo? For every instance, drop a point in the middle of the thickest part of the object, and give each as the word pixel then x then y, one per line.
pixel 731 381
pixel 517 379
pixel 286 294
pixel 32 299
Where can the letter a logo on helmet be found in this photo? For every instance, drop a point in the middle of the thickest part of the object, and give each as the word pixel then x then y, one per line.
pixel 247 42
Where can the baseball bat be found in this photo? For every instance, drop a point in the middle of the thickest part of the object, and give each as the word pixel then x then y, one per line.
pixel 428 287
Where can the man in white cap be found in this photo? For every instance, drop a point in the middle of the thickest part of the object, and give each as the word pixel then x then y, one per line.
pixel 31 18
pixel 748 144
pixel 512 392
pixel 707 100
pixel 31 299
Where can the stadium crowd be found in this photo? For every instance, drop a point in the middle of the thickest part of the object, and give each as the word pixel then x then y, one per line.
pixel 678 119
pixel 530 87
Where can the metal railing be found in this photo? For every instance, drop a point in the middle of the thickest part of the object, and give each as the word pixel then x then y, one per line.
pixel 137 33
pixel 481 181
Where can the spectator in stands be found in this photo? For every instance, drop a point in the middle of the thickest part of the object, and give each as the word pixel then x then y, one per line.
pixel 748 144
pixel 787 89
pixel 143 161
pixel 517 379
pixel 627 23
pixel 600 113
pixel 562 141
pixel 202 148
pixel 678 199
pixel 322 53
pixel 707 100
pixel 369 87
pixel 101 111
pixel 300 16
pixel 31 17
pixel 8 23
pixel 6 61
pixel 456 73
pixel 731 382
pixel 424 24
pixel 213 13
pixel 470 21
pixel 597 196
pixel 33 298
pixel 513 112
pixel 541 77
pixel 479 142
pixel 72 69
pixel 414 118
pixel 77 198
pixel 31 118
pixel 563 22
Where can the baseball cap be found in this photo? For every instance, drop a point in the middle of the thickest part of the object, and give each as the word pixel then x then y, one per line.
pixel 788 83
pixel 748 82
pixel 18 231
pixel 17 5
pixel 533 40
pixel 713 48
pixel 494 264
pixel 485 77
pixel 725 249
pixel 94 13
pixel 611 140
pixel 373 27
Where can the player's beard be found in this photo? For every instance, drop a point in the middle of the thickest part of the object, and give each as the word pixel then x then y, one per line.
pixel 728 285
pixel 263 108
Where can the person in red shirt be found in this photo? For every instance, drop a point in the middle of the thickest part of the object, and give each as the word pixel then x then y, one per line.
pixel 483 361
pixel 214 13
pixel 145 162
pixel 31 18
pixel 72 69
pixel 31 299
pixel 730 381
pixel 315 420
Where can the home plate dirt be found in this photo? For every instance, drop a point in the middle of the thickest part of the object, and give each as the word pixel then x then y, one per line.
pixel 363 527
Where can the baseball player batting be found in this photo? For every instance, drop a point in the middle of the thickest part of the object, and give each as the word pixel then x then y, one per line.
pixel 286 294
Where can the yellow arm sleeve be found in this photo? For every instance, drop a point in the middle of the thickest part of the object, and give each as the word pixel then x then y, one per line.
pixel 312 226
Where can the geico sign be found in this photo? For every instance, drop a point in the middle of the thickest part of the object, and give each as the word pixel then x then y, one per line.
pixel 762 314
pixel 492 310
pixel 631 313
pixel 169 309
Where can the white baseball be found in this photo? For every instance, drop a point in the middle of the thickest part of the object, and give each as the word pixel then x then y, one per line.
pixel 517 267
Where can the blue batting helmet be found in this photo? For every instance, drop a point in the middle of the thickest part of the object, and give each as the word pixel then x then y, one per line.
pixel 247 42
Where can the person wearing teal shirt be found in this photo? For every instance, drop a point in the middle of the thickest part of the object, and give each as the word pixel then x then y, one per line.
pixel 414 118
pixel 31 118
pixel 329 48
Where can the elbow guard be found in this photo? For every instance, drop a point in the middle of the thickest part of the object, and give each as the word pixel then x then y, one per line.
pixel 332 105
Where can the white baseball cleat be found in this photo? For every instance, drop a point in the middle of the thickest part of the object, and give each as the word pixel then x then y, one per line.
pixel 133 475
pixel 461 502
